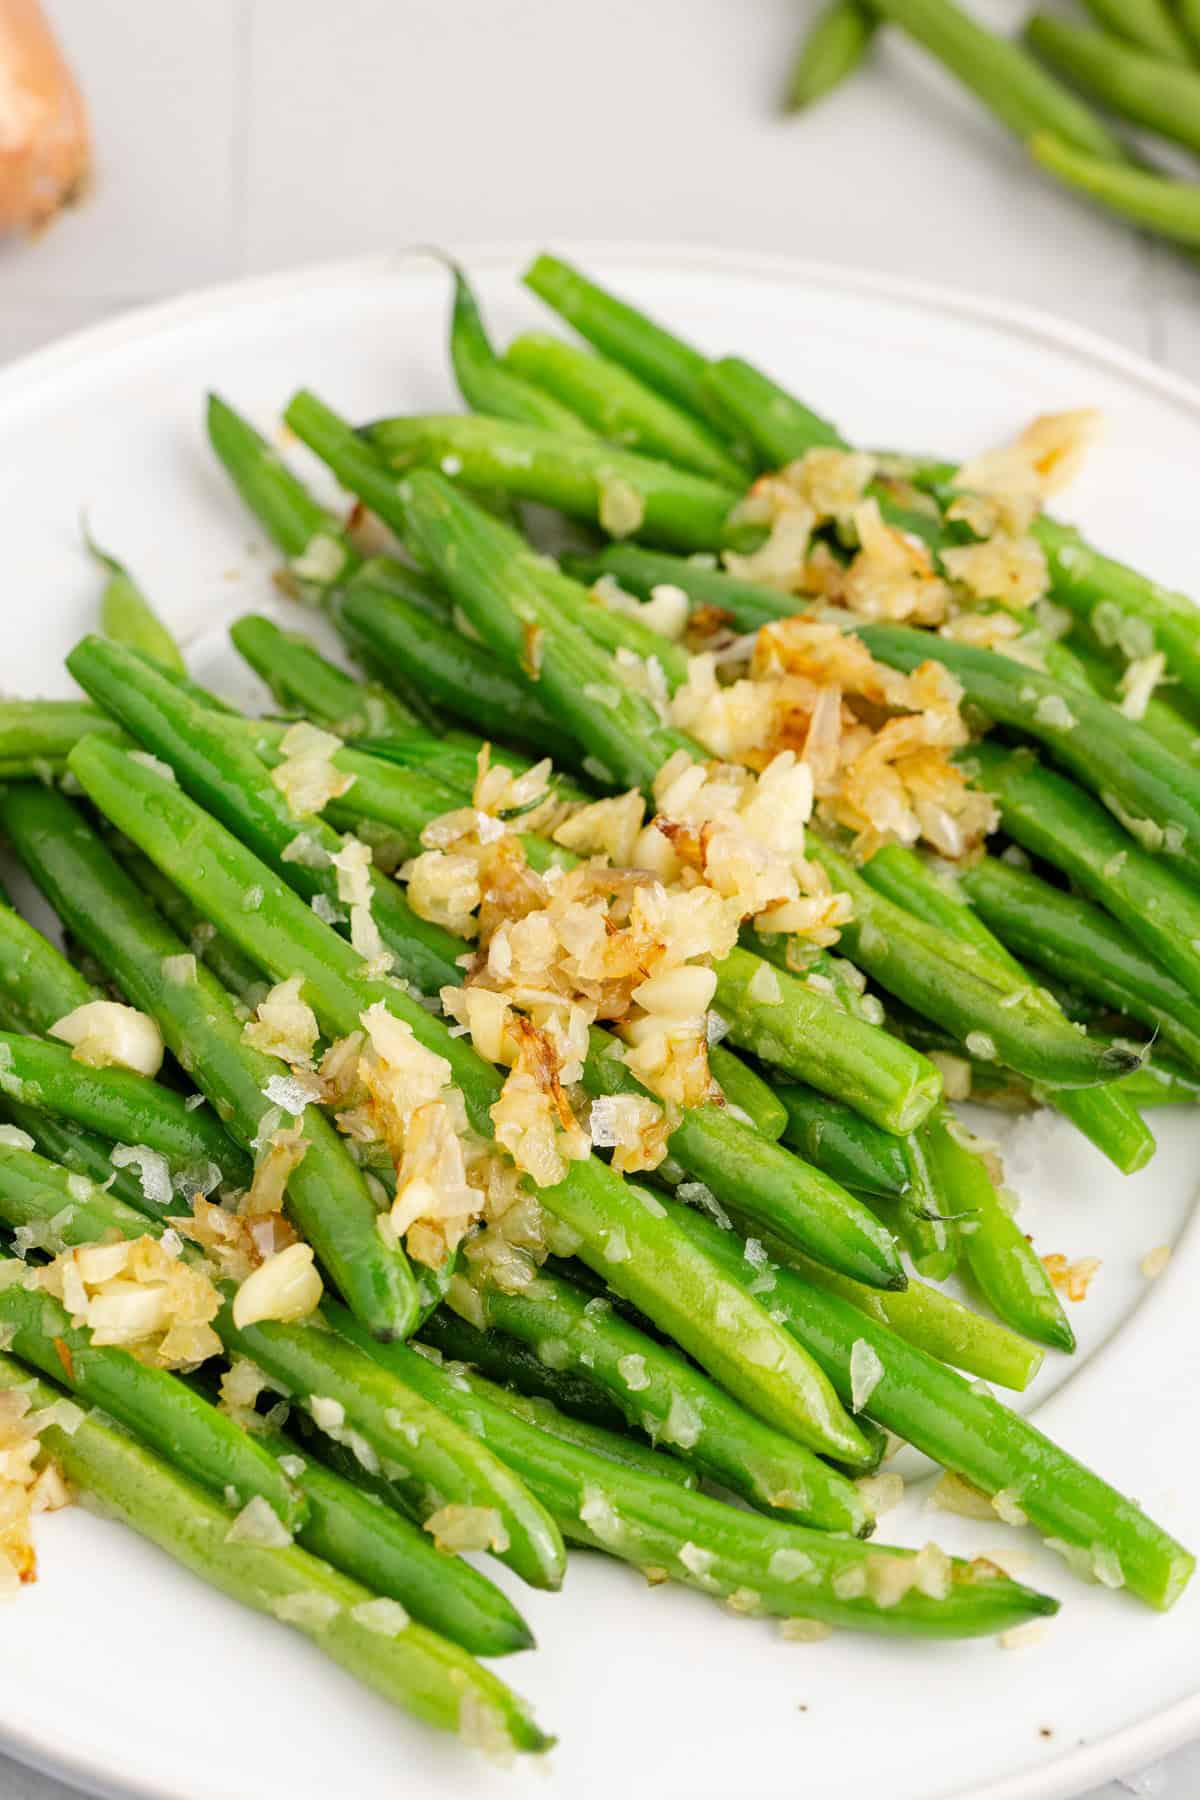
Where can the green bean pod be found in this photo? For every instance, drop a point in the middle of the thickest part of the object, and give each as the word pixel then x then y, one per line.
pixel 34 733
pixel 748 604
pixel 36 980
pixel 491 386
pixel 653 1268
pixel 1161 95
pixel 833 48
pixel 1078 942
pixel 326 1194
pixel 968 1431
pixel 655 1523
pixel 119 1105
pixel 618 406
pixel 299 676
pixel 836 1138
pixel 412 1667
pixel 1148 23
pixel 127 615
pixel 590 481
pixel 658 1391
pixel 509 1362
pixel 745 1091
pixel 1052 818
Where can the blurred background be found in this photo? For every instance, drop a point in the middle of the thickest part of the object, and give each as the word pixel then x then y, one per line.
pixel 236 137
pixel 233 137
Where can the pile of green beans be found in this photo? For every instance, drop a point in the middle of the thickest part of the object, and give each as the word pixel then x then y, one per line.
pixel 748 1308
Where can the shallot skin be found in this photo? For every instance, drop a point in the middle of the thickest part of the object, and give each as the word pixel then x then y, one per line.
pixel 45 148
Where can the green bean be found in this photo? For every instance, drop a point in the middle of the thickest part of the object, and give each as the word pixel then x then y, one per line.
pixel 1053 818
pixel 594 482
pixel 750 403
pixel 1092 667
pixel 1009 1273
pixel 326 1194
pixel 656 1524
pixel 1078 942
pixel 1160 203
pixel 487 385
pixel 773 1188
pixel 412 1667
pixel 746 1091
pixel 118 1104
pixel 35 978
pixel 1085 581
pixel 749 604
pixel 661 1393
pixel 924 1217
pixel 966 1430
pixel 506 1360
pixel 1014 87
pixel 840 1141
pixel 1154 795
pixel 834 46
pixel 1106 1116
pixel 1161 95
pixel 931 1320
pixel 660 359
pixel 657 1273
pixel 80 1151
pixel 235 972
pixel 313 539
pixel 298 675
pixel 942 978
pixel 355 1530
pixel 719 1148
pixel 44 731
pixel 433 1460
pixel 1189 19
pixel 618 406
pixel 1148 23
pixel 160 1408
pixel 127 615
pixel 454 671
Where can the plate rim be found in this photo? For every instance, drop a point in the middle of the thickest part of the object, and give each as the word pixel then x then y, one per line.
pixel 1132 1746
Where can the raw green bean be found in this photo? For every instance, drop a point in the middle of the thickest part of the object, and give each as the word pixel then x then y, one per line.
pixel 1079 942
pixel 298 675
pixel 966 1430
pixel 655 355
pixel 119 1105
pixel 1155 796
pixel 1148 23
pixel 624 492
pixel 411 1667
pixel 656 1524
pixel 833 48
pixel 355 1530
pixel 1189 19
pixel 326 1194
pixel 1051 817
pixel 942 978
pixel 1161 203
pixel 487 385
pixel 1161 95
pixel 661 1393
pixel 651 1267
pixel 1010 83
pixel 619 406
pixel 313 539
pixel 127 615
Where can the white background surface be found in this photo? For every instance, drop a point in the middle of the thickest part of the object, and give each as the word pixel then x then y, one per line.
pixel 239 136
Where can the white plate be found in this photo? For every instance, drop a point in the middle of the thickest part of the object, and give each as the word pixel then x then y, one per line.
pixel 121 1672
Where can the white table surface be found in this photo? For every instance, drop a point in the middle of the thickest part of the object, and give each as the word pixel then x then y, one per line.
pixel 241 136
